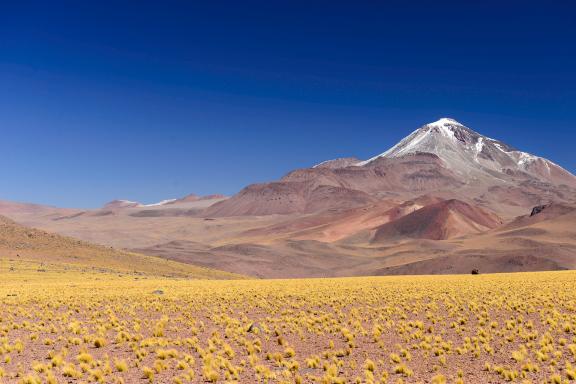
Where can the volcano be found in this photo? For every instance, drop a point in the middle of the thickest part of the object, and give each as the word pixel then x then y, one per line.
pixel 444 158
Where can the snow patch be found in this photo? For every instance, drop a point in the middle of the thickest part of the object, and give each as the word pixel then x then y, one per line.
pixel 163 202
pixel 526 158
pixel 443 122
pixel 547 167
pixel 446 127
pixel 324 162
pixel 127 201
pixel 500 147
pixel 479 145
pixel 447 132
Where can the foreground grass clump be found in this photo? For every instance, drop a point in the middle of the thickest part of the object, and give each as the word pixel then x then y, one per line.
pixel 72 326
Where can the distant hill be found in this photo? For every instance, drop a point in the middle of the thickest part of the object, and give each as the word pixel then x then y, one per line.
pixel 445 199
pixel 440 221
pixel 24 243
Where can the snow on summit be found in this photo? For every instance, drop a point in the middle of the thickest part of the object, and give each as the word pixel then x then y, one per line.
pixel 468 153
pixel 434 137
pixel 443 123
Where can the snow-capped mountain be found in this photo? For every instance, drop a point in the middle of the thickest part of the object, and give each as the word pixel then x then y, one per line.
pixel 472 155
pixel 444 159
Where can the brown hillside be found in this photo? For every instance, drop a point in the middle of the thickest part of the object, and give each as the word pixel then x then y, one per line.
pixel 439 221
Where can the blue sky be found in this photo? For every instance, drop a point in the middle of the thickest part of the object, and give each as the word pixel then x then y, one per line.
pixel 151 100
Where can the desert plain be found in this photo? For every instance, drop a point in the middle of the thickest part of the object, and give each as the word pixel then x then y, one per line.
pixel 60 323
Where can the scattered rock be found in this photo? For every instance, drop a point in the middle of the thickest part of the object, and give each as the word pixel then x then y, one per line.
pixel 537 210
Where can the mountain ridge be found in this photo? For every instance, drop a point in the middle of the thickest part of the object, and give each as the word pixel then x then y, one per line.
pixel 458 145
pixel 443 157
pixel 445 199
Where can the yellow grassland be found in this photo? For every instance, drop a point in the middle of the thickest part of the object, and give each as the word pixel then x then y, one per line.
pixel 74 325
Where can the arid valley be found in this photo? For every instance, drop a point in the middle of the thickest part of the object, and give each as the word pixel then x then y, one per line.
pixel 172 292
pixel 444 200
pixel 287 192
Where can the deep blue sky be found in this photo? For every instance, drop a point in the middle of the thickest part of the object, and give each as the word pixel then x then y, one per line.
pixel 150 100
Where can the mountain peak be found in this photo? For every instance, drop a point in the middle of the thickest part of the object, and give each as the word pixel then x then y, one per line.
pixel 440 137
pixel 451 128
pixel 445 121
pixel 473 156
